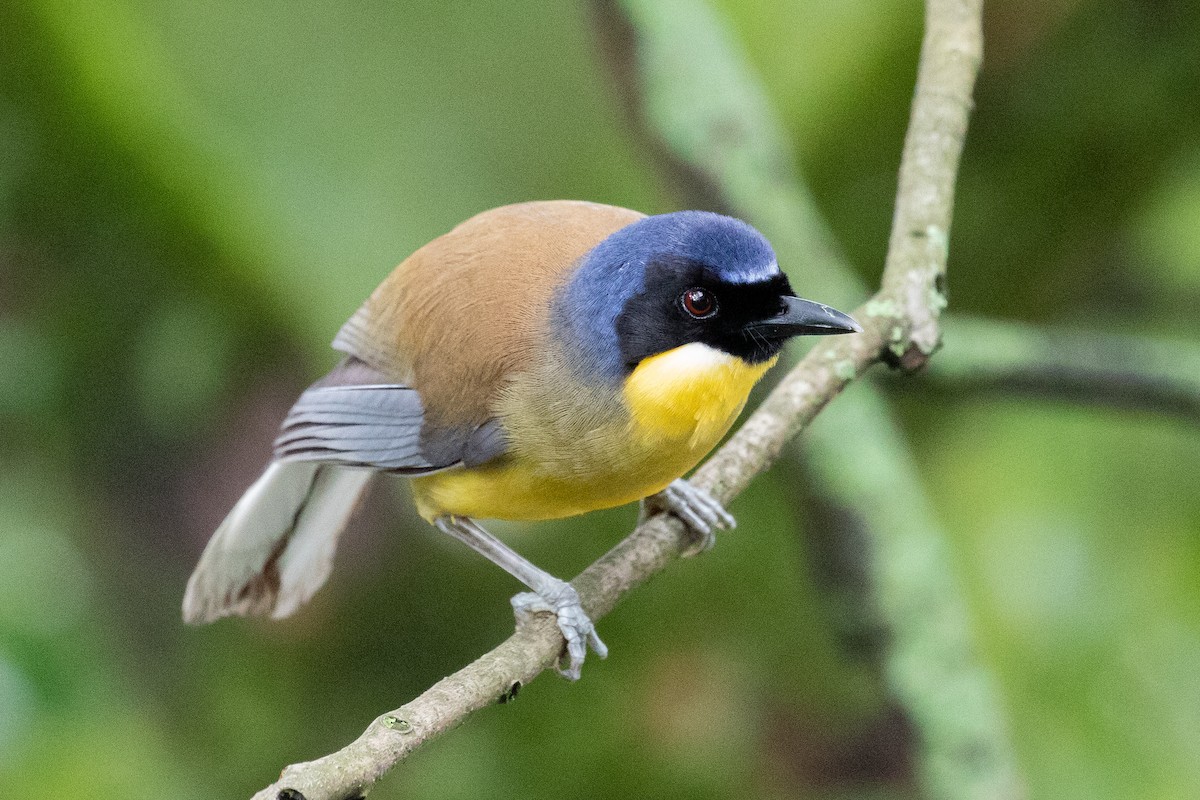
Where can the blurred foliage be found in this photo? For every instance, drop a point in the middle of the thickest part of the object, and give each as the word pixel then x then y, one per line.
pixel 193 196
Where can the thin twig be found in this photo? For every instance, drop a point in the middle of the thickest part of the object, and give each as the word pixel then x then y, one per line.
pixel 1091 368
pixel 948 64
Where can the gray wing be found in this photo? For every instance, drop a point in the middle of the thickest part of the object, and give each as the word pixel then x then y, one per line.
pixel 378 425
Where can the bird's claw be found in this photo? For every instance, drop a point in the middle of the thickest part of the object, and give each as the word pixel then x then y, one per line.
pixel 576 626
pixel 698 509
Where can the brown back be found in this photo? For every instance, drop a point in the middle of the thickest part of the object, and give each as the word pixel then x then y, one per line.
pixel 463 314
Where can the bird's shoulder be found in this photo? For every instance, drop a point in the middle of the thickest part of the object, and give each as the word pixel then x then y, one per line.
pixel 462 314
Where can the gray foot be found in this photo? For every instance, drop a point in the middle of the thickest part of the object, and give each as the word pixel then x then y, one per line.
pixel 576 626
pixel 697 508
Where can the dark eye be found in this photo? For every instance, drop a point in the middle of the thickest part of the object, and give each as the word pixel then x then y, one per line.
pixel 700 303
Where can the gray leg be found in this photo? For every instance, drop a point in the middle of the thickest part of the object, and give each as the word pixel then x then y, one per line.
pixel 549 593
pixel 698 509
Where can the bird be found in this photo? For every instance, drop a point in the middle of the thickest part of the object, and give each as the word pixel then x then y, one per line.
pixel 540 360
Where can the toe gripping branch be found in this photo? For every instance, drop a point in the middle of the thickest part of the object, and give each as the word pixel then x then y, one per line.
pixel 700 511
pixel 574 623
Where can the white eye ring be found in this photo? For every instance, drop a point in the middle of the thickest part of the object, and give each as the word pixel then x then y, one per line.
pixel 699 303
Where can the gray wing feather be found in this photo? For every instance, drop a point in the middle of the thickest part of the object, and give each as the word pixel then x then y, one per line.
pixel 343 430
pixel 485 443
pixel 378 425
pixel 369 426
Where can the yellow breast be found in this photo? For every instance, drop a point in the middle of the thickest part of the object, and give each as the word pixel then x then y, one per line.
pixel 676 407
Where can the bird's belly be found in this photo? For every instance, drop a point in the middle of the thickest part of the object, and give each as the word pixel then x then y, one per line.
pixel 679 404
pixel 520 490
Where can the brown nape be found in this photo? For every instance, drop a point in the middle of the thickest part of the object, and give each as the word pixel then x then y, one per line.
pixel 465 312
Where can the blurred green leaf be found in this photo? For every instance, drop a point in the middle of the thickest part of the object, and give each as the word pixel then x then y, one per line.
pixel 183 358
pixel 1168 234
pixel 30 370
pixel 193 196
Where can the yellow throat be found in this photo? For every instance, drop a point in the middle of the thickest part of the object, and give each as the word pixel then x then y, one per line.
pixel 690 395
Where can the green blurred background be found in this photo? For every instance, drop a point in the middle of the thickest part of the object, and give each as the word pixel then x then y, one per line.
pixel 194 196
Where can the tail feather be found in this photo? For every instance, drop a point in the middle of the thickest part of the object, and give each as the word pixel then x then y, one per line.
pixel 275 549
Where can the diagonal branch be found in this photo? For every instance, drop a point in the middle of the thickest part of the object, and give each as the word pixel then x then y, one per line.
pixel 948 64
pixel 727 136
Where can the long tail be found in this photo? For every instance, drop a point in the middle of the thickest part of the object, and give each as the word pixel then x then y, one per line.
pixel 276 547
